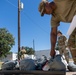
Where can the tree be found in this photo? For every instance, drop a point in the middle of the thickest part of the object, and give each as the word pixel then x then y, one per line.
pixel 29 50
pixel 6 42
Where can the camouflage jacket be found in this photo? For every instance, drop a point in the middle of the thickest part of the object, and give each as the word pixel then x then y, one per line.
pixel 61 40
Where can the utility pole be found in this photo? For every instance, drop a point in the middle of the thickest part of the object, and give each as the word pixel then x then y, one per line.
pixel 18 28
pixel 20 6
pixel 33 45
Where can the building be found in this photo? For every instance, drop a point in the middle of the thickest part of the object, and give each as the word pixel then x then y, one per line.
pixel 12 56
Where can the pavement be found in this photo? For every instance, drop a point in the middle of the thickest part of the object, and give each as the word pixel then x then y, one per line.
pixel 70 73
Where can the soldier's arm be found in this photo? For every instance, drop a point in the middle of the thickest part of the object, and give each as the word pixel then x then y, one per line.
pixel 53 38
pixel 53 34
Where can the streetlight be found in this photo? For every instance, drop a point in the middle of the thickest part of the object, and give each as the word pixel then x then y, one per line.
pixel 20 7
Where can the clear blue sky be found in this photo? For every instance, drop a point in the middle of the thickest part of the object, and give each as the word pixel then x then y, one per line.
pixel 33 26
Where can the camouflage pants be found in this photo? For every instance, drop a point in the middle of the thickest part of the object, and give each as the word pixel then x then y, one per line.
pixel 72 39
pixel 72 44
pixel 22 56
pixel 63 51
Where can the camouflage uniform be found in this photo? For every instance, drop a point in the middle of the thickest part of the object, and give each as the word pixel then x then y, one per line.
pixel 72 39
pixel 72 44
pixel 22 52
pixel 62 47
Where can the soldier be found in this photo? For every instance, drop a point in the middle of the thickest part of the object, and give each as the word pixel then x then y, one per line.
pixel 61 11
pixel 72 39
pixel 72 44
pixel 62 45
pixel 22 52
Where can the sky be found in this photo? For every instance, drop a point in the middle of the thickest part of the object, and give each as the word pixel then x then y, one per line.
pixel 32 25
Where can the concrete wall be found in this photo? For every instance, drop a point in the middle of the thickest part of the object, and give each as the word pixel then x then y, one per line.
pixel 47 53
pixel 39 53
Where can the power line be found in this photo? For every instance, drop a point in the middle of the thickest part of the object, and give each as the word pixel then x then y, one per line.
pixel 35 22
pixel 11 3
pixel 28 17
